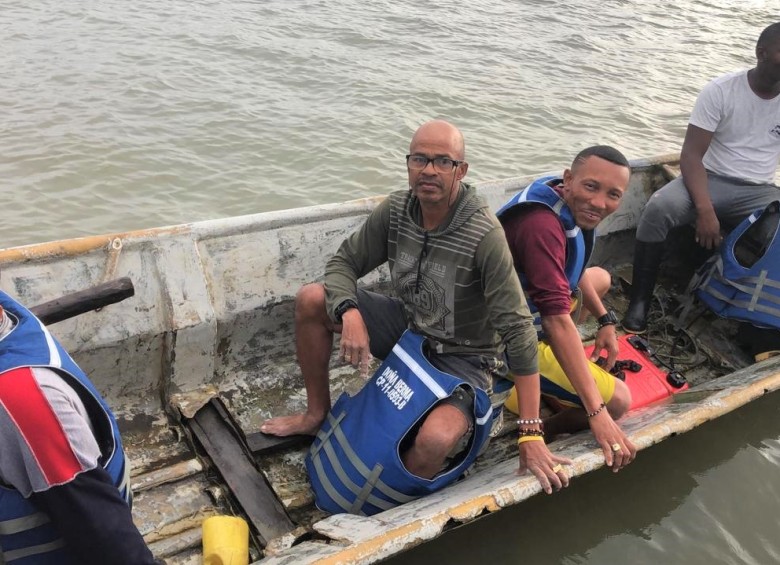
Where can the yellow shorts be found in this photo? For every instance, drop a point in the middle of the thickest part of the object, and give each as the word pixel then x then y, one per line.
pixel 555 383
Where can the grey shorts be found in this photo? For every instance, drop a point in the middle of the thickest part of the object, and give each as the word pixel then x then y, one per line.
pixel 386 321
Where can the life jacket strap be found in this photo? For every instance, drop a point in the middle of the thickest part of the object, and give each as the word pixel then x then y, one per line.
pixel 324 481
pixel 324 436
pixel 13 555
pixel 757 291
pixel 16 525
pixel 363 494
pixel 742 303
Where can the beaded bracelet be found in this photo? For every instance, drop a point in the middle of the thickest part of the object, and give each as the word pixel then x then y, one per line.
pixel 597 410
pixel 524 439
pixel 529 421
pixel 523 432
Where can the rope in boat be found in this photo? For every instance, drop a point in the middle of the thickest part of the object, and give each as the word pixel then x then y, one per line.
pixel 674 347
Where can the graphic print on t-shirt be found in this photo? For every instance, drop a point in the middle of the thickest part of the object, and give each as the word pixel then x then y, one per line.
pixel 429 298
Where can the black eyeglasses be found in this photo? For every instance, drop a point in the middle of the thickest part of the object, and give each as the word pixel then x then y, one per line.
pixel 440 164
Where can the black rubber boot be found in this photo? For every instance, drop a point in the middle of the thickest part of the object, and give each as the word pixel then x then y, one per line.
pixel 647 258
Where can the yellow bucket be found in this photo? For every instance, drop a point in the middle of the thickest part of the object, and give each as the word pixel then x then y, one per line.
pixel 225 541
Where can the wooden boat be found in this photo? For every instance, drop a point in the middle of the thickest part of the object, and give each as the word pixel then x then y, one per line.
pixel 204 352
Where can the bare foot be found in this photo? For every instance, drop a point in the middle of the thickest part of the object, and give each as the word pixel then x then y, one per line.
pixel 304 424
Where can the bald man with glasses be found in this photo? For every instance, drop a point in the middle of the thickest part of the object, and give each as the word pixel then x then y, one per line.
pixel 455 285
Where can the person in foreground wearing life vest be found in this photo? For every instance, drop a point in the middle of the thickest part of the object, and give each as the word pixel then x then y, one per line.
pixel 64 491
pixel 550 227
pixel 452 273
pixel 728 163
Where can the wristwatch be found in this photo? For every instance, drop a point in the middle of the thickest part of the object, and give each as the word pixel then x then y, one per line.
pixel 347 304
pixel 608 319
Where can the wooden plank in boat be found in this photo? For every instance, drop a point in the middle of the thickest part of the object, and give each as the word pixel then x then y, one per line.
pixel 224 444
pixel 260 443
pixel 84 301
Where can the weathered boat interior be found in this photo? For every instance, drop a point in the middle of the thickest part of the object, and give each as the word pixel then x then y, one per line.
pixel 204 352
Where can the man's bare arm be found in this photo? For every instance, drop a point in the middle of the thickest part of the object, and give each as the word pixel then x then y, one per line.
pixel 565 342
pixel 535 456
pixel 697 141
pixel 606 337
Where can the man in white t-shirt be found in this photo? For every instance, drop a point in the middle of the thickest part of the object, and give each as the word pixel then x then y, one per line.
pixel 728 162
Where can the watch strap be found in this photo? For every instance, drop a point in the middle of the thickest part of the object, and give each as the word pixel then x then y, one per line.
pixel 608 319
pixel 341 309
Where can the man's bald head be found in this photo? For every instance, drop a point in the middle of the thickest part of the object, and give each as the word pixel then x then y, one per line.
pixel 440 132
pixel 438 167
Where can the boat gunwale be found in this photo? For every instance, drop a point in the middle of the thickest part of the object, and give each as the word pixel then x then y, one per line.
pixel 205 230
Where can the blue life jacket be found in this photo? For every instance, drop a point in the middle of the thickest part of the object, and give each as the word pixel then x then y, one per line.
pixel 579 243
pixel 355 461
pixel 743 280
pixel 27 537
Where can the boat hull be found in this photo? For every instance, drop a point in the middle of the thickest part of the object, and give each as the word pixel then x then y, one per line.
pixel 212 316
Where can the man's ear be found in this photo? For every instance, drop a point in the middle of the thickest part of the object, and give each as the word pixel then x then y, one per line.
pixel 462 170
pixel 567 176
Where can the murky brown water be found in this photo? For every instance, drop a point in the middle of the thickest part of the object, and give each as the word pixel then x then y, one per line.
pixel 707 497
pixel 123 115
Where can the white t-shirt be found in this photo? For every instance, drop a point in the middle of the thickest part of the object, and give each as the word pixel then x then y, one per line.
pixel 746 144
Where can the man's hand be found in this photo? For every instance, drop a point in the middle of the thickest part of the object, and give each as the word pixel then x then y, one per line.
pixel 354 341
pixel 708 229
pixel 537 458
pixel 606 339
pixel 618 449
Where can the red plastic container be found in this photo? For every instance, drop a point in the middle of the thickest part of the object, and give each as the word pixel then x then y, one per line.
pixel 650 384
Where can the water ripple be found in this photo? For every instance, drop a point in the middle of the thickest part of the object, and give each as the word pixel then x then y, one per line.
pixel 120 116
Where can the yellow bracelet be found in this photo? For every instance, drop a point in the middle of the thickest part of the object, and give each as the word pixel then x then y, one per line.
pixel 524 439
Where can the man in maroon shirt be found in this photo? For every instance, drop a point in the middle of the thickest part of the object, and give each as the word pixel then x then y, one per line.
pixel 550 229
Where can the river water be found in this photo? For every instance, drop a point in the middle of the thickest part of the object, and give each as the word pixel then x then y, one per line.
pixel 708 497
pixel 124 115
pixel 120 115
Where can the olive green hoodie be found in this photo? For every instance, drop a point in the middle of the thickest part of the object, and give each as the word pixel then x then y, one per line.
pixel 457 282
